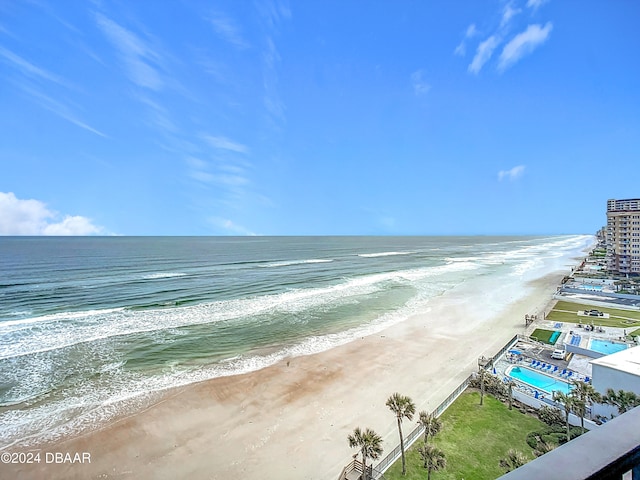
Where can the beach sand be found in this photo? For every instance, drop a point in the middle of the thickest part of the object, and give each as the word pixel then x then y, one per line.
pixel 291 420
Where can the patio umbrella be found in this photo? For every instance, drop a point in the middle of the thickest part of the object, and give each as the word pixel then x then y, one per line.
pixel 515 352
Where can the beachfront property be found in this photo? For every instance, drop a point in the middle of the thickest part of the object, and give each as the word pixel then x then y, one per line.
pixel 623 236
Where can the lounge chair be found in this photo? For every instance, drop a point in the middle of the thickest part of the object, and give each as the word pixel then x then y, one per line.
pixel 564 372
pixel 569 374
pixel 587 379
pixel 555 369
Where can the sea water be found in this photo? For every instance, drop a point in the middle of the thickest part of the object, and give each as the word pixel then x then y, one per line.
pixel 91 327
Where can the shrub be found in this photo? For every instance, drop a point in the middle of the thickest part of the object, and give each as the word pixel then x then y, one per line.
pixel 551 416
pixel 532 439
pixel 492 385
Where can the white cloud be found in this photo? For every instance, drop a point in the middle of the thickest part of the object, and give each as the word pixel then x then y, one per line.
pixel 72 225
pixel 29 69
pixel 461 49
pixel 33 217
pixel 523 44
pixel 483 53
pixel 227 29
pixel 471 30
pixel 420 86
pixel 513 174
pixel 508 13
pixel 135 53
pixel 535 4
pixel 225 144
pixel 60 109
pixel 230 227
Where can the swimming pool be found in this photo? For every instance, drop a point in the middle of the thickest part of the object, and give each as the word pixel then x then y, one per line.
pixel 606 347
pixel 591 288
pixel 538 380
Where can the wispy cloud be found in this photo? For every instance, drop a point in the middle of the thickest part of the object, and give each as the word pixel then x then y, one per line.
pixel 272 14
pixel 230 227
pixel 513 174
pixel 523 44
pixel 33 217
pixel 59 108
pixel 159 117
pixel 420 85
pixel 225 144
pixel 36 78
pixel 508 13
pixel 228 30
pixel 483 54
pixel 535 4
pixel 471 32
pixel 136 54
pixel 28 69
pixel 272 101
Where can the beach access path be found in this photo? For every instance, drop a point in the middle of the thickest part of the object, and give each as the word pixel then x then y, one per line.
pixel 291 420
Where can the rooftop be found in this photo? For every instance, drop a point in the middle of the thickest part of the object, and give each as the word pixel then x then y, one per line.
pixel 625 361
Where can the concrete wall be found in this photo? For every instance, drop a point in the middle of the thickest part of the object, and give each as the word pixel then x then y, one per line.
pixel 583 351
pixel 605 377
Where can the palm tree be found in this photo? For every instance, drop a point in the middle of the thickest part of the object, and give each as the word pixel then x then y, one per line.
pixel 567 402
pixel 481 385
pixel 621 399
pixel 513 460
pixel 370 444
pixel 403 407
pixel 433 457
pixel 431 424
pixel 584 394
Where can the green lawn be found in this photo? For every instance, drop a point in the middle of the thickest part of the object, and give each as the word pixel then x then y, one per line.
pixel 543 335
pixel 474 438
pixel 617 318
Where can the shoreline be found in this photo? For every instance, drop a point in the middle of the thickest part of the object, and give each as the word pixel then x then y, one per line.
pixel 291 419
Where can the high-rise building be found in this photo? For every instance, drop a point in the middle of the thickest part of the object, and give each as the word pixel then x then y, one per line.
pixel 623 236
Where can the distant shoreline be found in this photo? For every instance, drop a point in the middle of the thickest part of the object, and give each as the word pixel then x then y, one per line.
pixel 272 422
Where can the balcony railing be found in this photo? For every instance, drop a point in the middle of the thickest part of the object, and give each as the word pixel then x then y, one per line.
pixel 609 452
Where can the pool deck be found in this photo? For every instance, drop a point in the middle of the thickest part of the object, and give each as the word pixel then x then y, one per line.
pixel 568 329
pixel 579 365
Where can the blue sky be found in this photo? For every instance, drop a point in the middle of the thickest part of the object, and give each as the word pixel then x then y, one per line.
pixel 316 117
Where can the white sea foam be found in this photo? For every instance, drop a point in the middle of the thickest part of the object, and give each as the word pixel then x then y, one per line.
pixel 297 262
pixel 115 389
pixel 159 275
pixel 50 332
pixel 58 317
pixel 383 254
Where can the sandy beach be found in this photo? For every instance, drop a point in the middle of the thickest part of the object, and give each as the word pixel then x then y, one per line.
pixel 291 420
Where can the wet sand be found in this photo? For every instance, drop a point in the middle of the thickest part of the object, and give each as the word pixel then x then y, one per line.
pixel 291 420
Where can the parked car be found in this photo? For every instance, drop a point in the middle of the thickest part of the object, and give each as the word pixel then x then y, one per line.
pixel 595 313
pixel 558 354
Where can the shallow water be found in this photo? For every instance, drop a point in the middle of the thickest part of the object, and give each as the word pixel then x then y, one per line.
pixel 89 326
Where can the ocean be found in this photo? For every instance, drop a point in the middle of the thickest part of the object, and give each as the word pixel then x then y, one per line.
pixel 91 327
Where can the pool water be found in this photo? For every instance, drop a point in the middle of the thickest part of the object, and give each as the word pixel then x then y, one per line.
pixel 539 380
pixel 592 288
pixel 606 347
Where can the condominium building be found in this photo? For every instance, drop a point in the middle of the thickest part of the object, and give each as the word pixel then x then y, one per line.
pixel 623 236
